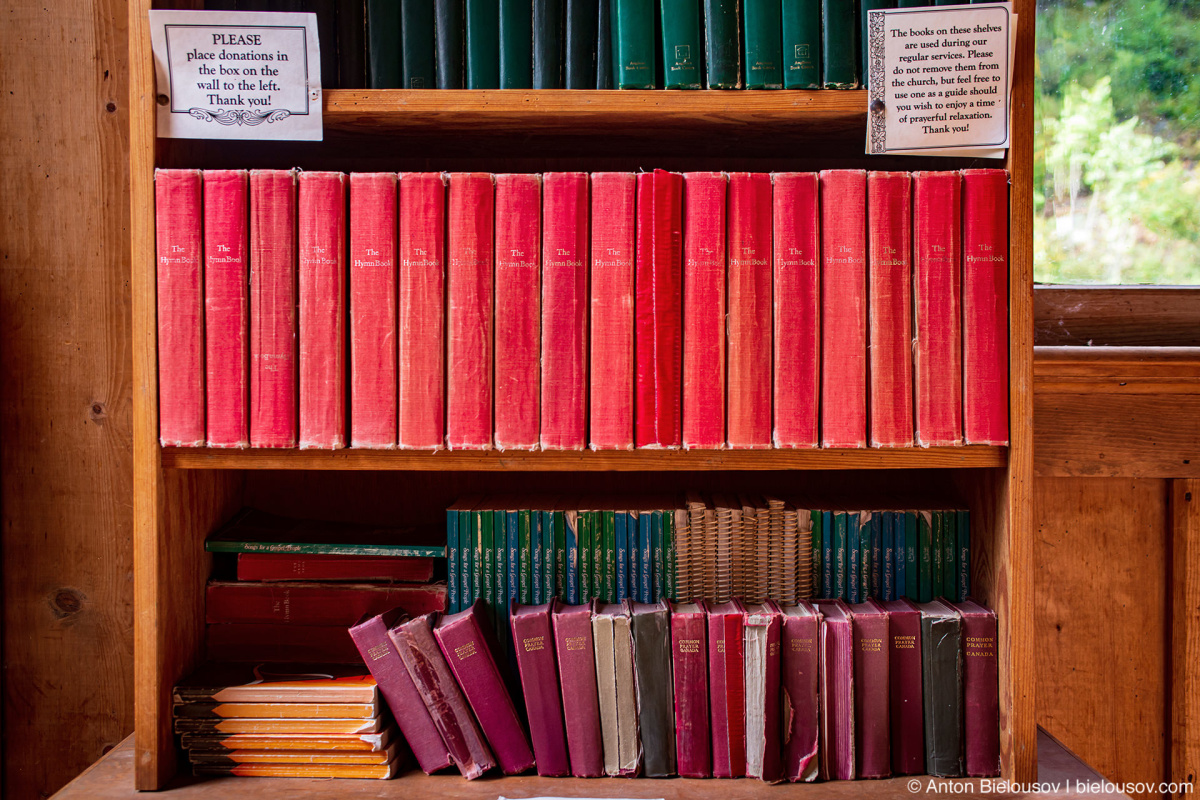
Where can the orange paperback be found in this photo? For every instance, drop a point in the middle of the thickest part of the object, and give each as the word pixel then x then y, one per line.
pixel 347 742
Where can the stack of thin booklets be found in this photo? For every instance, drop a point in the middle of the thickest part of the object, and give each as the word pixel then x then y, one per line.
pixel 286 721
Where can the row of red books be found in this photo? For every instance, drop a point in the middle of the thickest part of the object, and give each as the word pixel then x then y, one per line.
pixel 568 310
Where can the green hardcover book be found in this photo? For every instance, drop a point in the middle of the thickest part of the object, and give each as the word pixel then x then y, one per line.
pixel 634 62
pixel 453 555
pixel 524 557
pixel 925 537
pixel 549 564
pixel 466 587
pixel 416 45
pixel 866 6
pixel 596 522
pixel 912 559
pixel 949 554
pixel 383 57
pixel 487 552
pixel 672 519
pixel 656 554
pixel 585 557
pixel 817 548
pixel 516 44
pixel 560 556
pixel 761 42
pixel 483 45
pixel 609 522
pixel 963 585
pixel 839 44
pixel 865 559
pixel 839 555
pixel 723 43
pixel 499 559
pixel 801 44
pixel 936 551
pixel 681 44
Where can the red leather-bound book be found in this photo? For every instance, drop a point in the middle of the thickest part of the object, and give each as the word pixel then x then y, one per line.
pixel 727 688
pixel 314 567
pixel 421 341
pixel 985 306
pixel 373 293
pixel 801 691
pixel 837 691
pixel 659 310
pixel 797 340
pixel 981 686
pixel 889 225
pixel 303 603
pixel 749 307
pixel 610 404
pixel 322 310
pixel 574 647
pixel 273 385
pixel 843 308
pixel 872 695
pixel 689 662
pixel 533 640
pixel 564 310
pixel 937 345
pixel 764 759
pixel 270 641
pixel 227 307
pixel 704 229
pixel 370 635
pixel 177 210
pixel 469 316
pixel 518 311
pixel 904 673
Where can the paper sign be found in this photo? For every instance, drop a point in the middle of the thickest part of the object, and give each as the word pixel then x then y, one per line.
pixel 237 75
pixel 940 79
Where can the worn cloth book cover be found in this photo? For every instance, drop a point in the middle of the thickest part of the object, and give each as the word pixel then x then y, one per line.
pixel 612 633
pixel 219 682
pixel 548 70
pixel 291 743
pixel 723 44
pixel 303 603
pixel 254 531
pixel 762 44
pixel 749 309
pixel 763 637
pixel 518 311
pixel 276 710
pixel 800 684
pixel 704 228
pixel 889 225
pixel 837 692
pixel 727 688
pixel 611 368
pixel 417 62
pixel 872 690
pixel 981 686
pixel 941 676
pixel 689 672
pixel 801 30
pixel 574 646
pixel 533 639
pixel 906 711
pixel 651 625
pixel 682 58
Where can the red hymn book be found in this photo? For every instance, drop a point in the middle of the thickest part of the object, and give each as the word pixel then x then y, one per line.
pixel 889 221
pixel 704 309
pixel 373 310
pixel 749 305
pixel 227 307
pixel 797 339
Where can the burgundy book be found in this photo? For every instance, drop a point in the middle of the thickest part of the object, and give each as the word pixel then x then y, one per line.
pixel 322 310
pixel 577 675
pixel 981 686
pixel 270 641
pixel 727 688
pixel 610 403
pixel 414 641
pixel 533 640
pixel 904 673
pixel 889 225
pixel 749 311
pixel 843 308
pixel 421 340
pixel 764 624
pixel 937 344
pixel 370 636
pixel 796 292
pixel 315 603
pixel 800 679
pixel 658 308
pixel 273 406
pixel 469 314
pixel 689 662
pixel 469 654
pixel 313 567
pixel 872 691
pixel 704 309
pixel 837 691
pixel 177 210
pixel 227 307
pixel 518 311
pixel 373 295
pixel 985 306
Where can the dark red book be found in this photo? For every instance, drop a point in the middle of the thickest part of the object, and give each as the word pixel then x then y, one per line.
pixel 610 403
pixel 889 225
pixel 937 345
pixel 564 310
pixel 658 307
pixel 843 308
pixel 837 691
pixel 518 311
pixel 227 307
pixel 311 567
pixel 797 340
pixel 801 684
pixel 422 657
pixel 322 310
pixel 749 309
pixel 469 316
pixel 469 654
pixel 574 647
pixel 370 636
pixel 373 293
pixel 270 641
pixel 177 210
pixel 904 672
pixel 985 306
pixel 421 341
pixel 764 624
pixel 689 662
pixel 727 688
pixel 533 640
pixel 872 691
pixel 704 228
pixel 302 603
pixel 981 686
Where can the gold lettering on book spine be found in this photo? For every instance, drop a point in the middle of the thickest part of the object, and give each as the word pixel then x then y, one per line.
pixel 689 645
pixel 378 651
pixel 465 651
pixel 534 643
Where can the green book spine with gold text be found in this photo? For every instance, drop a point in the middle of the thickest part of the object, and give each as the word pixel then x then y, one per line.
pixel 585 557
pixel 681 53
pixel 634 62
pixel 761 44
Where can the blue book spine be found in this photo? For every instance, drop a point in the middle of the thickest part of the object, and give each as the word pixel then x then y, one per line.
pixel 876 555
pixel 888 526
pixel 452 559
pixel 477 589
pixel 596 529
pixel 622 536
pixel 659 589
pixel 854 554
pixel 635 555
pixel 502 606
pixel 964 555
pixel 571 535
pixel 548 563
pixel 514 556
pixel 864 559
pixel 827 556
pixel 560 557
pixel 645 556
pixel 839 556
pixel 818 552
pixel 535 552
pixel 901 560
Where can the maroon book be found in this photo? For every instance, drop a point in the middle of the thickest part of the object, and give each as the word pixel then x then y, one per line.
pixel 370 636
pixel 320 567
pixel 577 674
pixel 689 661
pixel 801 688
pixel 871 690
pixel 837 691
pixel 763 635
pixel 981 686
pixel 414 641
pixel 305 603
pixel 533 639
pixel 727 689
pixel 469 654
pixel 904 673
pixel 259 641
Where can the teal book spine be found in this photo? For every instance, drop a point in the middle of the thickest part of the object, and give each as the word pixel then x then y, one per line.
pixel 888 529
pixel 560 556
pixel 571 540
pixel 610 556
pixel 681 44
pixel 513 530
pixel 854 559
pixel 597 526
pixel 621 535
pixel 876 555
pixel 913 3
pixel 383 56
pixel 656 552
pixel 524 559
pixel 723 44
pixel 448 24
pixel 536 567
pixel 963 587
pixel 634 63
pixel 604 45
pixel 483 44
pixel 516 44
pixel 500 561
pixel 466 538
pixel 912 557
pixel 487 552
pixel 669 586
pixel 818 553
pixel 548 44
pixel 827 555
pixel 864 558
pixel 579 69
pixel 925 536
pixel 645 556
pixel 635 556
pixel 452 561
pixel 949 554
pixel 549 561
pixel 417 61
pixel 762 45
pixel 585 557
pixel 801 28
pixel 839 556
pixel 839 44
pixel 865 7
pixel 936 551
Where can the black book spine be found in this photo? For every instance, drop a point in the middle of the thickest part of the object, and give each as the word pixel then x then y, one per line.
pixel 351 44
pixel 655 700
pixel 449 24
pixel 604 63
pixel 941 673
pixel 581 23
pixel 548 44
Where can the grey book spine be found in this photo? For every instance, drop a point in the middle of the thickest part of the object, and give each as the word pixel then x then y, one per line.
pixel 655 699
pixel 941 674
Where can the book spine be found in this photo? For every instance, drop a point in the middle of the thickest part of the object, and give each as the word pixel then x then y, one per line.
pixel 749 310
pixel 912 557
pixel 633 532
pixel 801 29
pixel 596 530
pixel 533 638
pixel 981 704
pixel 524 558
pixel 226 308
pixel 889 226
pixel 490 593
pixel 689 662
pixel 548 44
pixel 866 559
pixel 417 60
pixel 827 558
pixel 604 49
pixel 962 589
pixel 762 44
pixel 503 608
pixel 634 50
pixel 839 44
pixel 373 293
pixel 797 334
pixel 518 310
pixel 573 645
pixel 273 406
pixel 549 561
pixel 906 710
pixel 656 554
pixel 383 57
pixel 864 19
pixel 840 555
pixel 582 17
pixel 571 546
pixel 645 556
pixel 871 695
pixel 516 44
pixel 651 633
pixel 537 569
pixel 925 555
pixel 722 758
pixel 941 666
pixel 876 555
pixel 887 585
pixel 949 554
pixel 900 583
pixel 817 544
pixel 681 25
pixel 704 231
pixel 772 767
pixel 853 560
pixel 480 523
pixel 314 603
pixel 351 21
pixel 609 523
pixel 843 308
pixel 585 557
pixel 985 306
pixel 289 644
pixel 722 44
pixel 621 537
pixel 289 567
pixel 735 693
pixel 560 555
pixel 669 563
pixel 936 553
pixel 513 556
pixel 467 543
pixel 469 323
pixel 800 685
pixel 838 671
pixel 448 24
pixel 483 45
pixel 453 562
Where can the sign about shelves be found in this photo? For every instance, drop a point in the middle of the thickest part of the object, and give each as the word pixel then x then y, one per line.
pixel 237 75
pixel 940 79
